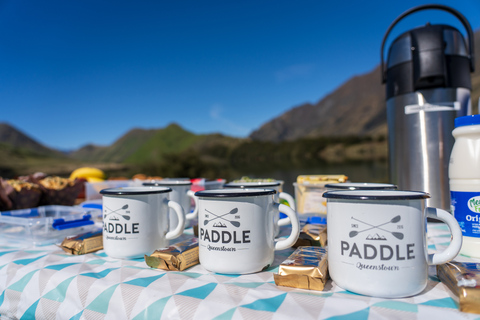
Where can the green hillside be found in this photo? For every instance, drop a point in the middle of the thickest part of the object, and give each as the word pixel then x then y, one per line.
pixel 172 139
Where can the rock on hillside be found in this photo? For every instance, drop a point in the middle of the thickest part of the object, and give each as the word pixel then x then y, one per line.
pixel 355 108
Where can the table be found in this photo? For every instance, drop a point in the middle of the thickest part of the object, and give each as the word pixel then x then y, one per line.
pixel 46 283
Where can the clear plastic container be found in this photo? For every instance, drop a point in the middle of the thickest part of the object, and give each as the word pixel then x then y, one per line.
pixel 464 174
pixel 44 225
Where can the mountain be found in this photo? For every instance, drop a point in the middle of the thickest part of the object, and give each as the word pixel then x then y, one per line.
pixel 356 108
pixel 140 145
pixel 14 138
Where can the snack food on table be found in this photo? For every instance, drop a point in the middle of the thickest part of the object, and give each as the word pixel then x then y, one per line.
pixel 463 279
pixel 17 194
pixel 309 190
pixel 247 179
pixel 305 268
pixel 312 235
pixel 179 256
pixel 60 191
pixel 83 243
pixel 88 173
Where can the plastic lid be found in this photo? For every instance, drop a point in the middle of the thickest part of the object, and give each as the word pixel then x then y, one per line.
pixel 467 120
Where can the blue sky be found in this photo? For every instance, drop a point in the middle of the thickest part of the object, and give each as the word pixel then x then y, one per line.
pixel 80 72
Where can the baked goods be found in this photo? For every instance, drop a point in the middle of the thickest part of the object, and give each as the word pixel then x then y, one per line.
pixel 18 194
pixel 60 191
pixel 33 191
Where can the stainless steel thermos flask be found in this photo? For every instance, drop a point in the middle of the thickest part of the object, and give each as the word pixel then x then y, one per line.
pixel 428 84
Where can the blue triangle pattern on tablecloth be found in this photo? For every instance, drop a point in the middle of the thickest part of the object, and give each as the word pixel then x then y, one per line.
pixel 269 304
pixel 247 284
pixel 22 283
pixel 200 292
pixel 2 297
pixel 60 266
pixel 144 282
pixel 193 275
pixel 153 311
pixel 5 252
pixel 77 316
pixel 397 305
pixel 444 303
pixel 100 303
pixel 58 294
pixel 101 254
pixel 100 274
pixel 35 251
pixel 30 313
pixel 226 315
pixel 96 261
pixel 358 315
pixel 28 261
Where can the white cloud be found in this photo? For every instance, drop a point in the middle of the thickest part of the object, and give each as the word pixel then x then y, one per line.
pixel 294 71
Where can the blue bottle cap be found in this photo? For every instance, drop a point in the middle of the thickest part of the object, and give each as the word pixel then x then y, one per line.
pixel 467 120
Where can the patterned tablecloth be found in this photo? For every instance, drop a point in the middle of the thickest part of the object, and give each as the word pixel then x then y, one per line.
pixel 46 283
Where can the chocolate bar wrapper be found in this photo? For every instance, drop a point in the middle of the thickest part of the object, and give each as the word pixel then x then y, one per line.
pixel 312 235
pixel 463 279
pixel 84 243
pixel 179 256
pixel 305 268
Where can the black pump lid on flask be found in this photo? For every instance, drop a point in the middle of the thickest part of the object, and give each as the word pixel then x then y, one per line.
pixel 432 56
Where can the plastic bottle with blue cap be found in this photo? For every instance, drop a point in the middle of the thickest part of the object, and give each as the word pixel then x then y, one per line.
pixel 464 175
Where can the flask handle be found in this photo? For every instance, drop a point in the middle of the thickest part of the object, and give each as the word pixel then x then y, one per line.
pixel 454 12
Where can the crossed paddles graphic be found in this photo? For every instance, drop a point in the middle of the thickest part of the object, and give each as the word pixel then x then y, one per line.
pixel 395 219
pixel 233 211
pixel 126 217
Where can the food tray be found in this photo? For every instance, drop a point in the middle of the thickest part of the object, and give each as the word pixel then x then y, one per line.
pixel 45 224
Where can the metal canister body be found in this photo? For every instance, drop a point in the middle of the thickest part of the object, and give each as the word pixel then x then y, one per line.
pixel 421 141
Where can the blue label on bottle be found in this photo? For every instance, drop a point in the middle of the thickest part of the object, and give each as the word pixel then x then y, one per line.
pixel 466 209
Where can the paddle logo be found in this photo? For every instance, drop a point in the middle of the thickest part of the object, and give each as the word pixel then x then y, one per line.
pixel 223 230
pixel 118 222
pixel 370 242
pixel 371 227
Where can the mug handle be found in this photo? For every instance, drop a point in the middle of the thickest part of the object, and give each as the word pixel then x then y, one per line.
pixel 192 215
pixel 455 245
pixel 285 196
pixel 292 238
pixel 172 234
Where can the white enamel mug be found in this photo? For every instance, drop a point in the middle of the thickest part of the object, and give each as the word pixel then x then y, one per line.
pixel 377 243
pixel 279 195
pixel 236 230
pixel 182 194
pixel 136 221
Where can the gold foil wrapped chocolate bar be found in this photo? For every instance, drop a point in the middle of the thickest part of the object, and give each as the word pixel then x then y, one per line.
pixel 305 268
pixel 312 235
pixel 179 256
pixel 463 279
pixel 83 243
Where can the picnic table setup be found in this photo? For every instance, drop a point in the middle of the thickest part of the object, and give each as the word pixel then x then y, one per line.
pixel 45 281
pixel 87 247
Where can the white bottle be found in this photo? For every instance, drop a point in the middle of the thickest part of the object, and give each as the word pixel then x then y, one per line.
pixel 464 174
